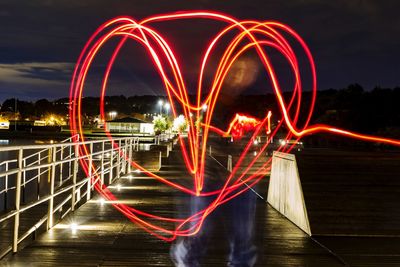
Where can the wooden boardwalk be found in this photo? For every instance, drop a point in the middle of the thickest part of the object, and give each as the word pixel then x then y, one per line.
pixel 106 238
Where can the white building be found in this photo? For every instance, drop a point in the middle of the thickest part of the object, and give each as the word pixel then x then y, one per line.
pixel 130 125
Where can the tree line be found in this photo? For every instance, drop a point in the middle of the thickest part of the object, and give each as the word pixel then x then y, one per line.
pixel 367 111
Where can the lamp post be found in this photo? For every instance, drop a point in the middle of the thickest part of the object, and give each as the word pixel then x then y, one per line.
pixel 167 107
pixel 160 104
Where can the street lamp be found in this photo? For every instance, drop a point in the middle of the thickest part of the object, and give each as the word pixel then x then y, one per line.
pixel 167 107
pixel 160 103
pixel 204 107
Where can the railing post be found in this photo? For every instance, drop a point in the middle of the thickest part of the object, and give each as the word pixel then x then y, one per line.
pixel 61 165
pixel 89 182
pixel 159 162
pixel 129 168
pixel 39 174
pixel 74 174
pixel 229 167
pixel 102 163
pixel 124 169
pixel 119 159
pixel 23 180
pixel 17 201
pixel 69 162
pixel 6 188
pixel 110 177
pixel 50 215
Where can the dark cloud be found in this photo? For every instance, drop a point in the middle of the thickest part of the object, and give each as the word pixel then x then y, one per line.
pixel 352 41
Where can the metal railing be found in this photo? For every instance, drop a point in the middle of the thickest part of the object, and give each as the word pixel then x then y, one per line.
pixel 163 137
pixel 24 177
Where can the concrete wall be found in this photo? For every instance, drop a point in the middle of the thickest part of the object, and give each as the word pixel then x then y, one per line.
pixel 285 193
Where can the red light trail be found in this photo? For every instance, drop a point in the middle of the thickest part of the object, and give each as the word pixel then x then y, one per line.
pixel 240 125
pixel 250 35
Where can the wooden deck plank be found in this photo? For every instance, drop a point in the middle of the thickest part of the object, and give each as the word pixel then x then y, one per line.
pixel 107 238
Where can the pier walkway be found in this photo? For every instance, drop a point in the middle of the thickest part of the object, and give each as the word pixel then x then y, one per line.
pixel 101 236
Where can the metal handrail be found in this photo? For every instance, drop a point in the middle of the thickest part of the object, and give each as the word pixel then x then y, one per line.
pixel 61 160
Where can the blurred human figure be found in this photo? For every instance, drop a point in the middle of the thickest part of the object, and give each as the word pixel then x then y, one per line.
pixel 238 216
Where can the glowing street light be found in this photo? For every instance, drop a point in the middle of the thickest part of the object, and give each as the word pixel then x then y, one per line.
pixel 167 107
pixel 204 107
pixel 160 103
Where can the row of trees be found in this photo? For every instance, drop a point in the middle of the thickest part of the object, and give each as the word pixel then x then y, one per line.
pixel 27 109
pixel 163 123
pixel 374 111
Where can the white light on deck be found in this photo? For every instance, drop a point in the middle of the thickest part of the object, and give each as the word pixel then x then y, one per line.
pixel 73 227
pixel 119 187
pixel 102 201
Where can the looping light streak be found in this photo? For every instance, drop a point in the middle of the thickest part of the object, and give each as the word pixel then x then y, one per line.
pixel 250 34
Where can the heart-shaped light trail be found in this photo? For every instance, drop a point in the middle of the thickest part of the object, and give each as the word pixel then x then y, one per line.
pixel 250 34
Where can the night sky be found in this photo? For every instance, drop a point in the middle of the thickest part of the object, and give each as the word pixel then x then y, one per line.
pixel 352 41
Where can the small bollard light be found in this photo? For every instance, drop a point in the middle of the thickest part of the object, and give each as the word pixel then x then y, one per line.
pixel 255 153
pixel 73 227
pixel 102 201
pixel 119 187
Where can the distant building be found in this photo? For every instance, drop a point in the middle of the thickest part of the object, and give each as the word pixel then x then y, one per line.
pixel 130 125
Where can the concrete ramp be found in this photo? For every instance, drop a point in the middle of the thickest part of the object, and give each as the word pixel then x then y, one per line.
pixel 285 193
